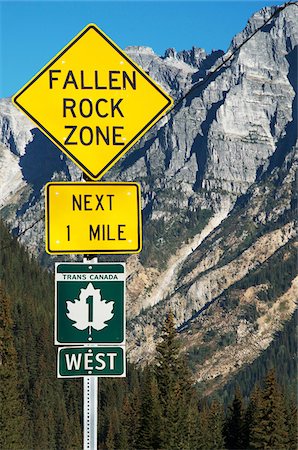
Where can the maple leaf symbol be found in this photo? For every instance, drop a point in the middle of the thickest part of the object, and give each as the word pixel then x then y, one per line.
pixel 86 312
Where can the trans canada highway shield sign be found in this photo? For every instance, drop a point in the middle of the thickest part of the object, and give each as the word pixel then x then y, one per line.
pixel 89 303
pixel 93 101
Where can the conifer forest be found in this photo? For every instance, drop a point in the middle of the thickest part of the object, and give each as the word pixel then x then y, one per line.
pixel 156 407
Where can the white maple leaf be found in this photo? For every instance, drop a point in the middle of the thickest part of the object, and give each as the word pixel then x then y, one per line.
pixel 94 313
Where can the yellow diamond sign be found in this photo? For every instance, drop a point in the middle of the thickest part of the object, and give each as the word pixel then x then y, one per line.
pixel 93 101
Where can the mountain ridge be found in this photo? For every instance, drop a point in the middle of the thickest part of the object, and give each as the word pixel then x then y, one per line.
pixel 217 177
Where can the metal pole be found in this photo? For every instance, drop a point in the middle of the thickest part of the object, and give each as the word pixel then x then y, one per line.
pixel 90 395
pixel 90 402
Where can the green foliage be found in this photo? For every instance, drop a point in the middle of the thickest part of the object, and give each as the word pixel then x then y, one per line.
pixel 44 403
pixel 198 354
pixel 281 354
pixel 229 302
pixel 13 418
pixel 278 272
pixel 154 408
pixel 227 339
pixel 264 423
pixel 215 426
pixel 292 421
pixel 209 430
pixel 269 429
pixel 174 388
pixel 235 424
pixel 249 312
pixel 150 424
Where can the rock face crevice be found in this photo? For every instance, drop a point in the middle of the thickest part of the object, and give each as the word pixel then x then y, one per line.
pixel 201 142
pixel 288 140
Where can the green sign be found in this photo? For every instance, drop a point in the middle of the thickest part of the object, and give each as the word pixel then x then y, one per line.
pixel 76 362
pixel 89 303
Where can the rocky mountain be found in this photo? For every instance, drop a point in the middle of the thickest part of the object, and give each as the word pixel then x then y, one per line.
pixel 218 183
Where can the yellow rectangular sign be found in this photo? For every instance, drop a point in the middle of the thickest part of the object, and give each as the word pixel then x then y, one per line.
pixel 95 218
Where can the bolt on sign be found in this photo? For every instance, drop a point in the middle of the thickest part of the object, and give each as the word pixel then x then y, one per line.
pixel 75 362
pixel 89 303
pixel 93 218
pixel 93 101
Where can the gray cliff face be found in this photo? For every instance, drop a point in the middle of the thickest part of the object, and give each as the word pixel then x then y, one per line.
pixel 217 176
pixel 15 135
pixel 223 136
pixel 216 143
pixel 259 232
pixel 15 128
pixel 174 71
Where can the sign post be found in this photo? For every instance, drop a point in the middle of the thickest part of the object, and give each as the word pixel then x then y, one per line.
pixel 90 404
pixel 90 411
pixel 94 103
pixel 90 310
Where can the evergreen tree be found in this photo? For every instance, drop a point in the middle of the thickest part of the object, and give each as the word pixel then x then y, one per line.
pixel 73 409
pixel 252 414
pixel 150 420
pixel 210 430
pixel 38 408
pixel 13 418
pixel 292 421
pixel 175 390
pixel 130 421
pixel 193 422
pixel 269 430
pixel 216 425
pixel 125 425
pixel 63 432
pixel 44 415
pixel 110 440
pixel 235 425
pixel 203 436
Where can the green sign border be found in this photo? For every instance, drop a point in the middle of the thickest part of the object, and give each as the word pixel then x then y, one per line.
pixel 65 333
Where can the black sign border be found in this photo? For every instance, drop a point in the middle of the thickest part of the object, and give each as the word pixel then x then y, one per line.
pixel 98 251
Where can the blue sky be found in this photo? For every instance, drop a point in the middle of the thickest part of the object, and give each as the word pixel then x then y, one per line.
pixel 32 32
